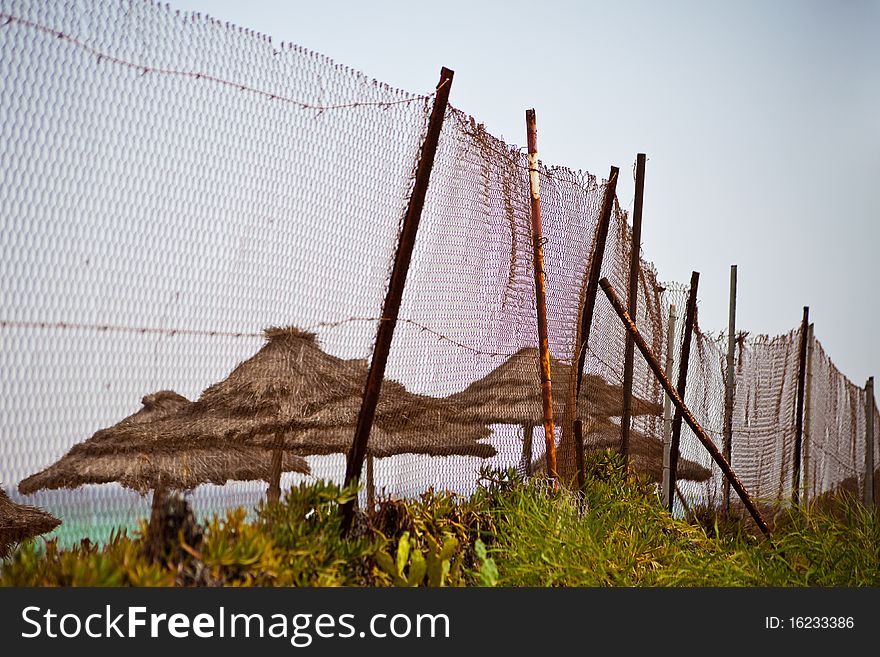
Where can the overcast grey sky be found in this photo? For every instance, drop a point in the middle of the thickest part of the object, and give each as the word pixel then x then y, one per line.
pixel 761 122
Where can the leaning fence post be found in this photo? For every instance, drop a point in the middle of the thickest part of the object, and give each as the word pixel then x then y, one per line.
pixel 582 342
pixel 681 408
pixel 729 383
pixel 808 478
pixel 799 419
pixel 868 482
pixel 667 406
pixel 633 298
pixel 541 293
pixel 684 363
pixel 391 307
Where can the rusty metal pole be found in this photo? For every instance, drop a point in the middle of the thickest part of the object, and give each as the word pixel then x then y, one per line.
pixel 667 408
pixel 541 293
pixel 809 479
pixel 799 419
pixel 698 430
pixel 868 482
pixel 391 307
pixel 633 298
pixel 684 363
pixel 729 382
pixel 586 323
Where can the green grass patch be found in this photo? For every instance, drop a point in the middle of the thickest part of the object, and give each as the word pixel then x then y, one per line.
pixel 509 533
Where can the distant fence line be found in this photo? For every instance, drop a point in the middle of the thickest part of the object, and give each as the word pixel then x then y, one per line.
pixel 155 225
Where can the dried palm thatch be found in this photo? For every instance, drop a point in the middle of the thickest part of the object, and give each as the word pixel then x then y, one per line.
pixel 645 452
pixel 19 522
pixel 128 454
pixel 293 388
pixel 453 440
pixel 511 394
pixel 290 384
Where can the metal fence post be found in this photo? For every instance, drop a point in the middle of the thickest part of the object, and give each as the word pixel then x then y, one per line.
pixel 729 383
pixel 572 439
pixel 799 419
pixel 633 299
pixel 809 480
pixel 868 482
pixel 541 293
pixel 684 363
pixel 667 407
pixel 393 297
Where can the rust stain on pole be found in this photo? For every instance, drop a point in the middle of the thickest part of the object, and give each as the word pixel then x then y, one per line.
pixel 680 406
pixel 689 320
pixel 574 387
pixel 391 307
pixel 633 299
pixel 541 293
pixel 799 418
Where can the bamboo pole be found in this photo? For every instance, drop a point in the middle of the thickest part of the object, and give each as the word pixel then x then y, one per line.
pixel 667 407
pixel 541 293
pixel 695 426
pixel 570 438
pixel 683 365
pixel 729 382
pixel 868 481
pixel 633 299
pixel 394 295
pixel 799 419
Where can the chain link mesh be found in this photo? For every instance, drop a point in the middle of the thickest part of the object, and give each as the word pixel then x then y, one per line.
pixel 173 185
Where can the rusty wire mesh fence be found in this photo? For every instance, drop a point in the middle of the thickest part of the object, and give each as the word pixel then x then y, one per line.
pixel 173 186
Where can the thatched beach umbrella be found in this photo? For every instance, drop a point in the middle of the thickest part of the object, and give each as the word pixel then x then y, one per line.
pixel 129 454
pixel 292 394
pixel 645 452
pixel 19 522
pixel 511 394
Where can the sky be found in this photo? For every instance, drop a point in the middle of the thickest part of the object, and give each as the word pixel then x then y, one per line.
pixel 760 121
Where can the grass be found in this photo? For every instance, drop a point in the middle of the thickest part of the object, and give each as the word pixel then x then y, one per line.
pixel 510 533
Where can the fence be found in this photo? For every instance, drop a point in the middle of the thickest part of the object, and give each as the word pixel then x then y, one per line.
pixel 172 186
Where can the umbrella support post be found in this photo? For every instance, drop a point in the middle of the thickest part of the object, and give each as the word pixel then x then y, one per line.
pixel 273 495
pixel 371 484
pixel 526 458
pixel 154 528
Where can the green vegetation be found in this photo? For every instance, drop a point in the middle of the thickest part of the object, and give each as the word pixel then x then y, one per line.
pixel 509 533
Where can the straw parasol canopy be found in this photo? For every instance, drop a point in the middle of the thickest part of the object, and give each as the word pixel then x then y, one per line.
pixel 19 522
pixel 384 443
pixel 511 394
pixel 129 454
pixel 294 389
pixel 645 452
